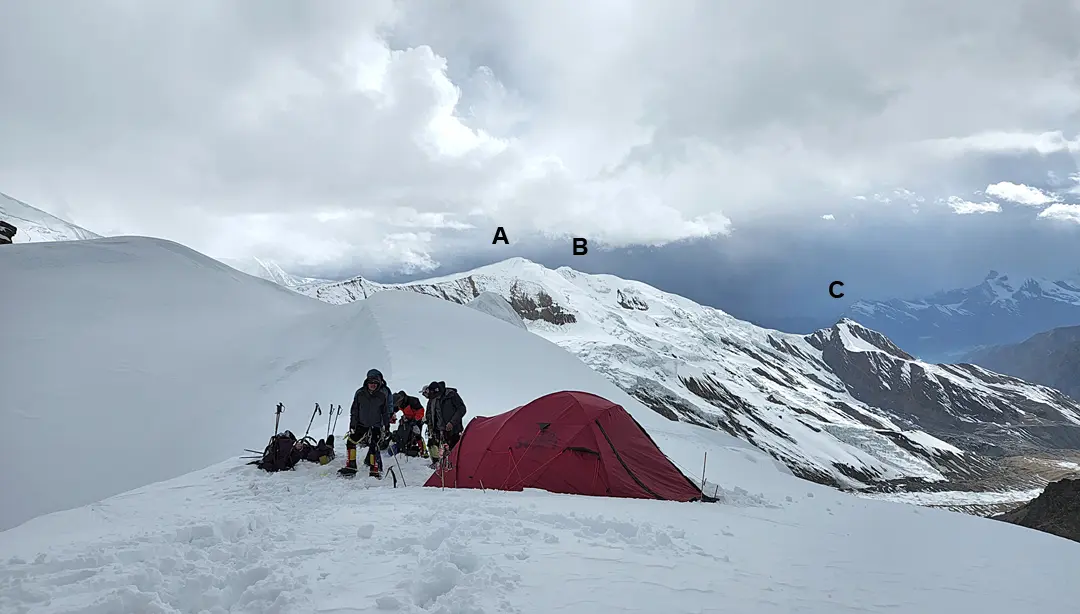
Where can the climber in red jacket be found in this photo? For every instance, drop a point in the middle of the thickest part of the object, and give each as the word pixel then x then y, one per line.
pixel 408 438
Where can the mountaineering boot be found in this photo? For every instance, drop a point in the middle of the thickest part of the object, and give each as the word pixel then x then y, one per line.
pixel 374 464
pixel 350 466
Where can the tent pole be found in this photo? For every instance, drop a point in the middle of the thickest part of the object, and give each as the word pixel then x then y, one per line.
pixel 703 463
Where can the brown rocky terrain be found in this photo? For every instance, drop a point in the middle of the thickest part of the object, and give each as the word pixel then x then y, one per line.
pixel 1055 511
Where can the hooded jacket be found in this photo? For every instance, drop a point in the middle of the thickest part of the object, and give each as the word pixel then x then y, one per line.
pixel 371 408
pixel 445 407
pixel 411 408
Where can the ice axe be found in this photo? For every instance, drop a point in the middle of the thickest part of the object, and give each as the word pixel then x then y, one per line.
pixel 318 410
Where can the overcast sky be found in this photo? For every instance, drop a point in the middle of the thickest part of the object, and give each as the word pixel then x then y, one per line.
pixel 906 145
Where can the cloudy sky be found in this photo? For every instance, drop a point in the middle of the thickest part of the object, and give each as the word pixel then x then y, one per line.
pixel 744 153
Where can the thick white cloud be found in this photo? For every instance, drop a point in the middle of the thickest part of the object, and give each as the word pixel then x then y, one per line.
pixel 1063 212
pixel 1020 194
pixel 383 132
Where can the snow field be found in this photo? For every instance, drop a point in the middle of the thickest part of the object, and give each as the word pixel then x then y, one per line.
pixel 230 538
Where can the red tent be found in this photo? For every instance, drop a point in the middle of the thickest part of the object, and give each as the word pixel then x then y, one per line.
pixel 565 442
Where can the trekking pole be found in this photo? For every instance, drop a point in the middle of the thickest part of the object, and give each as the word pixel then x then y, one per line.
pixel 336 415
pixel 277 417
pixel 329 417
pixel 403 483
pixel 318 410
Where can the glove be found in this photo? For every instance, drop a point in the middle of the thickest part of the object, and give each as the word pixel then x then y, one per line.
pixel 416 430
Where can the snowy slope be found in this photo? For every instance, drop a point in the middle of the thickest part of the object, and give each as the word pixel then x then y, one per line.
pixel 34 225
pixel 944 326
pixel 139 360
pixel 700 365
pixel 1051 358
pixel 966 401
pixel 271 271
pixel 496 306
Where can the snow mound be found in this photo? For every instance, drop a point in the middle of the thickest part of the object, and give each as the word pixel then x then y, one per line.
pixel 495 305
pixel 138 360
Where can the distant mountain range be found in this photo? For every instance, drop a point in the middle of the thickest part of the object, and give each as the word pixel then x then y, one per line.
pixel 948 325
pixel 1051 358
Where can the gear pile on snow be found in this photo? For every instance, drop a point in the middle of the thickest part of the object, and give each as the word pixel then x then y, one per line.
pixel 284 450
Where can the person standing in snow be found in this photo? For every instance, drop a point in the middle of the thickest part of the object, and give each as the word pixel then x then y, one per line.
pixel 445 411
pixel 369 417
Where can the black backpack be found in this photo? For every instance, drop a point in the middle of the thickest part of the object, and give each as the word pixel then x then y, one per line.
pixel 281 454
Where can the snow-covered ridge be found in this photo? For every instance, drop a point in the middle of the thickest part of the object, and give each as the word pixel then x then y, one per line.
pixel 700 365
pixel 35 225
pixel 961 402
pixel 272 271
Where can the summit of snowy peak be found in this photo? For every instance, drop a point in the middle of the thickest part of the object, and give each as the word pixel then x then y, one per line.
pixel 36 226
pixel 854 337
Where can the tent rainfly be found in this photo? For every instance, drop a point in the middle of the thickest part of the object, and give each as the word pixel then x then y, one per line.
pixel 565 442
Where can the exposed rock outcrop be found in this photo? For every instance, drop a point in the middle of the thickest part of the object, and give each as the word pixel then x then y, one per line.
pixel 1055 511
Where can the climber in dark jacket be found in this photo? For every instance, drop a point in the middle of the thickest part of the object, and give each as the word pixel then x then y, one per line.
pixel 445 411
pixel 369 417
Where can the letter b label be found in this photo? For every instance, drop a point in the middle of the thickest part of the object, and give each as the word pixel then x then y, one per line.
pixel 581 246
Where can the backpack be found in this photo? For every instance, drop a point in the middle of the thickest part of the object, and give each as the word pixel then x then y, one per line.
pixel 321 451
pixel 281 454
